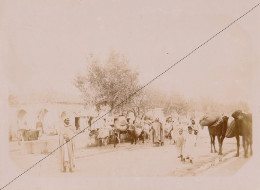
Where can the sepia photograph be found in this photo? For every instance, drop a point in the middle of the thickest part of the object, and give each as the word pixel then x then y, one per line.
pixel 127 94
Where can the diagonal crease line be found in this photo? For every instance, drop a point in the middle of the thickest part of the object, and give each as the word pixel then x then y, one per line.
pixel 132 94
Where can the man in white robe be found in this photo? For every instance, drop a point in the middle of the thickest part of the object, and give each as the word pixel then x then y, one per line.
pixel 67 150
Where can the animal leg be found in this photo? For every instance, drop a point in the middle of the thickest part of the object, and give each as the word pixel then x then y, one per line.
pixel 153 136
pixel 211 143
pixel 219 145
pixel 250 143
pixel 214 144
pixel 238 145
pixel 222 140
pixel 118 137
pixel 251 149
pixel 132 137
pixel 245 146
pixel 114 138
pixel 100 142
pixel 106 141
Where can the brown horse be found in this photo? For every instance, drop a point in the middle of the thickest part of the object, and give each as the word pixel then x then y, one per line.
pixel 243 127
pixel 217 126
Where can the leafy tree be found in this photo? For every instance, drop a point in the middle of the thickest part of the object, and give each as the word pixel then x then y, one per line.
pixel 109 83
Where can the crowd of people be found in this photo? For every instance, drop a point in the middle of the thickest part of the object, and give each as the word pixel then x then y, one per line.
pixel 182 134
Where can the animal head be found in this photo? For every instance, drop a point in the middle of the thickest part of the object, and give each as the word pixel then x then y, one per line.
pixel 237 114
pixel 225 118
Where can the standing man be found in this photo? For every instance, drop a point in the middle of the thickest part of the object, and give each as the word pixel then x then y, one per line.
pixel 158 134
pixel 67 149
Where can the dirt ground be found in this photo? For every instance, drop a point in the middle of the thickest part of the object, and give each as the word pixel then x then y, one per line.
pixel 127 160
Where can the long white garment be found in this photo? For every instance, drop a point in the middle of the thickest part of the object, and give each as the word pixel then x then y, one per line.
pixel 66 152
pixel 190 145
pixel 180 144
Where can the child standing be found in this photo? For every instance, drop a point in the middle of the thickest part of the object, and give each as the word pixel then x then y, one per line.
pixel 180 143
pixel 190 144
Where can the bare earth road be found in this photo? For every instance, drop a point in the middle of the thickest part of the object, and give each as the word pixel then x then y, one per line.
pixel 228 168
pixel 141 160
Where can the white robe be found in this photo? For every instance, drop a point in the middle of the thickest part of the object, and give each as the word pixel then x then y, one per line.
pixel 180 144
pixel 190 145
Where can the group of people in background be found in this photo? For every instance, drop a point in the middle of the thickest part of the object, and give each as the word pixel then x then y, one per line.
pixel 183 134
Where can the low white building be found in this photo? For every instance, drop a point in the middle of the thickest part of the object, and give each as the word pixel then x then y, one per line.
pixel 26 112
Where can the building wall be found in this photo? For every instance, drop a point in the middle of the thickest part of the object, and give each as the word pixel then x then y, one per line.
pixel 26 115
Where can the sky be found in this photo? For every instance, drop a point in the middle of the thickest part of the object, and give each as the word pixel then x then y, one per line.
pixel 45 44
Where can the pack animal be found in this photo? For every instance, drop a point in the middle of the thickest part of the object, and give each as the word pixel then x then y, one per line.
pixel 243 127
pixel 217 127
